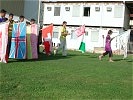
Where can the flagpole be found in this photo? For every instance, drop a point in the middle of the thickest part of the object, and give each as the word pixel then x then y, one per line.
pixel 39 12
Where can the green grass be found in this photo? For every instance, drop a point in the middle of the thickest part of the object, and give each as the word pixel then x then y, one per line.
pixel 76 77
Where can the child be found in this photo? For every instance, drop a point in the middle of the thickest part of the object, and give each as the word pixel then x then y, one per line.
pixel 48 44
pixel 108 47
pixel 21 18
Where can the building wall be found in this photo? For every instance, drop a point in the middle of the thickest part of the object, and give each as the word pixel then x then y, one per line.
pixel 13 6
pixel 31 9
pixel 90 39
pixel 126 18
pixel 96 18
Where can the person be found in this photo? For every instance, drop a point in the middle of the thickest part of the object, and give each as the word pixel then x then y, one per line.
pixel 11 21
pixel 39 41
pixel 3 14
pixel 63 35
pixel 47 44
pixel 21 18
pixel 32 21
pixel 108 49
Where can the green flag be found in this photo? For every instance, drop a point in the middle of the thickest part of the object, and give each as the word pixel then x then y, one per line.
pixel 82 45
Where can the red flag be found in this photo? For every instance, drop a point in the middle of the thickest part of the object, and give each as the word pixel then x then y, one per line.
pixel 46 30
pixel 80 31
pixel 47 38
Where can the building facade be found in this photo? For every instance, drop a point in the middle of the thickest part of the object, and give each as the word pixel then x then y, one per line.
pixel 97 16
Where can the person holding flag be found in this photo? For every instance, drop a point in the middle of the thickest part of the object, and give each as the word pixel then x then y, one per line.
pixel 62 46
pixel 11 22
pixel 108 49
pixel 3 14
pixel 47 39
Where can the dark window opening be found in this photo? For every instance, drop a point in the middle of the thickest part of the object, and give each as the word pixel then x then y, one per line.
pixel 86 11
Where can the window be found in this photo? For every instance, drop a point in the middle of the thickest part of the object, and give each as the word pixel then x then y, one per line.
pixel 94 35
pixel 118 11
pixel 56 11
pixel 97 9
pixel 73 35
pixel 67 8
pixel 49 8
pixel 86 33
pixel 55 34
pixel 86 11
pixel 76 11
pixel 109 9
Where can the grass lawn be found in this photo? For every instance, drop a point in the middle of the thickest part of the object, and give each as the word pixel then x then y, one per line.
pixel 75 77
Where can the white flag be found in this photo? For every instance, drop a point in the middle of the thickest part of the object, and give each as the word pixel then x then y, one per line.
pixel 3 42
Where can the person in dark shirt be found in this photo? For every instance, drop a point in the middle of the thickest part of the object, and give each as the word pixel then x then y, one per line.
pixel 3 14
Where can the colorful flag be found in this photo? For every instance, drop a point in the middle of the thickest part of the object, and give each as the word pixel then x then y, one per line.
pixel 18 42
pixel 31 42
pixel 82 47
pixel 47 37
pixel 80 31
pixel 3 42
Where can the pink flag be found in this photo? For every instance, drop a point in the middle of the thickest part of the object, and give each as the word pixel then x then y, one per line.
pixel 80 31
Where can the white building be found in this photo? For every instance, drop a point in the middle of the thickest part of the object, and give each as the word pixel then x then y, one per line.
pixel 98 17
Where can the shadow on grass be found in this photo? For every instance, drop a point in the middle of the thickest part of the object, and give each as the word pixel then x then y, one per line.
pixel 127 60
pixel 43 57
pixel 118 59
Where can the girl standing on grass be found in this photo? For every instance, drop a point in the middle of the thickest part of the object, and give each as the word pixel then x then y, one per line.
pixel 108 49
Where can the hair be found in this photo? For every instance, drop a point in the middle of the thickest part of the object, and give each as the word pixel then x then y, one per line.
pixel 32 19
pixel 21 16
pixel 3 11
pixel 110 32
pixel 64 22
pixel 11 14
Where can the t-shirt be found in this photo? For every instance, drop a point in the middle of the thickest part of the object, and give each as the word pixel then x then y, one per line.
pixel 63 30
pixel 3 20
pixel 10 28
pixel 108 43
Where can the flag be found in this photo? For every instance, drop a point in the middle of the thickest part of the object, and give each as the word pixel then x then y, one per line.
pixel 123 42
pixel 31 42
pixel 82 47
pixel 46 30
pixel 3 42
pixel 47 37
pixel 80 31
pixel 18 42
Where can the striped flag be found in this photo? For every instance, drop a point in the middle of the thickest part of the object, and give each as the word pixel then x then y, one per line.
pixel 80 32
pixel 31 41
pixel 82 47
pixel 18 42
pixel 3 42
